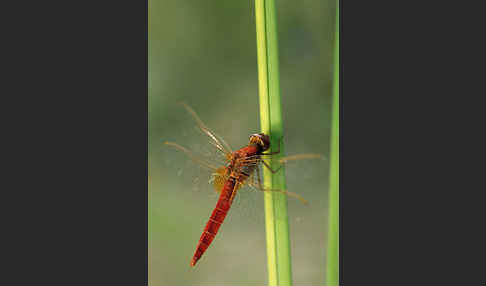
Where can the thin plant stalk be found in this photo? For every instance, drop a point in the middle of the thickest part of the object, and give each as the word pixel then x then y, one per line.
pixel 333 230
pixel 275 204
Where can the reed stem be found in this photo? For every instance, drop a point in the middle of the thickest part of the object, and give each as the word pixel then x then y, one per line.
pixel 333 230
pixel 276 217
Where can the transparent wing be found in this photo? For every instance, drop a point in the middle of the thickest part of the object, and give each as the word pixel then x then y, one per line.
pixel 254 181
pixel 216 140
pixel 257 159
pixel 287 159
pixel 204 163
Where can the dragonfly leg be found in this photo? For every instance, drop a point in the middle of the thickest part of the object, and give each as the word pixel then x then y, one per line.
pixel 258 177
pixel 235 188
pixel 270 168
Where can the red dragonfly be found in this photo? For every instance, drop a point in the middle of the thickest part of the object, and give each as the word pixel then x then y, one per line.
pixel 238 171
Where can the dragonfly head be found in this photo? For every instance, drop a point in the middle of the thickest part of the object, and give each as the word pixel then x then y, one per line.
pixel 260 139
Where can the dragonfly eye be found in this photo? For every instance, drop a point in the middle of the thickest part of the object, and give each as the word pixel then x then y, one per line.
pixel 261 139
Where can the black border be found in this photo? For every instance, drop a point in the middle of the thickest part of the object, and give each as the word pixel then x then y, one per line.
pixel 79 115
pixel 404 97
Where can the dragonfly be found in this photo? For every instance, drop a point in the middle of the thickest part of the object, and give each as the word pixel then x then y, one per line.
pixel 241 168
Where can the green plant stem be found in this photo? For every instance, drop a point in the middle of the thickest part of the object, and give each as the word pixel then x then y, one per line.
pixel 276 217
pixel 333 230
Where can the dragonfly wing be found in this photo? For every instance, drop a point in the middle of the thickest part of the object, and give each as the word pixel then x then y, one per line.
pixel 259 186
pixel 216 140
pixel 259 159
pixel 192 156
pixel 304 156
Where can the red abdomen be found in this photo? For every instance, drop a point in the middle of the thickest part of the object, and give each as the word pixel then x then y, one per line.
pixel 215 220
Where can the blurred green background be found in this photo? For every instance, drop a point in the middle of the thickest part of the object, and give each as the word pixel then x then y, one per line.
pixel 204 53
